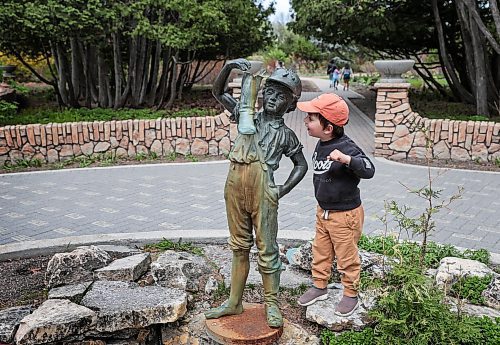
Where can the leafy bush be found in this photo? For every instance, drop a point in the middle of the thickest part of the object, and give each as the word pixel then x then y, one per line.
pixel 7 110
pixel 471 288
pixel 410 251
pixel 412 311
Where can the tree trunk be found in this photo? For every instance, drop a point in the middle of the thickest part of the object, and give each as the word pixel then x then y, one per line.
pixel 132 69
pixel 153 79
pixel 173 81
pixel 101 77
pixel 481 90
pixel 467 43
pixel 163 85
pixel 145 72
pixel 61 82
pixel 76 67
pixel 117 64
pixel 462 92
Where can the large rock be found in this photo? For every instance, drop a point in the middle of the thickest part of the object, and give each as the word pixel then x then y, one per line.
pixel 180 270
pixel 451 269
pixel 55 320
pixel 73 292
pixel 472 309
pixel 492 293
pixel 129 268
pixel 76 266
pixel 323 313
pixel 373 263
pixel 9 320
pixel 121 305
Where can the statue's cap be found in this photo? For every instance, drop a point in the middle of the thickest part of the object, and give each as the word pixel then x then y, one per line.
pixel 288 78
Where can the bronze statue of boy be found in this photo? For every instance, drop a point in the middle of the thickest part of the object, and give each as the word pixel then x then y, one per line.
pixel 250 192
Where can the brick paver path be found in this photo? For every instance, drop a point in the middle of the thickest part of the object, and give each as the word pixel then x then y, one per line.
pixel 189 197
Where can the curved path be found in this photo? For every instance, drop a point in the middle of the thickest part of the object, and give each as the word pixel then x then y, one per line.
pixel 148 202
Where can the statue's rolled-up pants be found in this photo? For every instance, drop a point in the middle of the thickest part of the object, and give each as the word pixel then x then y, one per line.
pixel 252 203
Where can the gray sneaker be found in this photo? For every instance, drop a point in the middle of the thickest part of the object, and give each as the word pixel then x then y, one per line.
pixel 347 306
pixel 312 295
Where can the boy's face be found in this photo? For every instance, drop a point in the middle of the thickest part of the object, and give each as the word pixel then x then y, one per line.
pixel 276 99
pixel 315 128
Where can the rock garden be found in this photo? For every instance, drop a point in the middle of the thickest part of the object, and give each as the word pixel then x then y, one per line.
pixel 156 294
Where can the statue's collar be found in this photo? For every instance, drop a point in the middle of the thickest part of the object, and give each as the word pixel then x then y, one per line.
pixel 273 122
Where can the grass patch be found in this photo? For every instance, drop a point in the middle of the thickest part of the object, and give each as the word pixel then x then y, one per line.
pixel 177 246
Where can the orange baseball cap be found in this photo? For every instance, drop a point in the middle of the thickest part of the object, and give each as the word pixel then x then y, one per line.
pixel 331 106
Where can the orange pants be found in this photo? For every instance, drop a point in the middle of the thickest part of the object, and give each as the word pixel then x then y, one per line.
pixel 338 236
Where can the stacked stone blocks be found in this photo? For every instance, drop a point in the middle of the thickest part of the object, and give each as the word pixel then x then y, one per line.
pixel 211 135
pixel 401 133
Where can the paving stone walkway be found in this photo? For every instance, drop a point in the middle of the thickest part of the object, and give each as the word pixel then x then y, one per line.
pixel 188 198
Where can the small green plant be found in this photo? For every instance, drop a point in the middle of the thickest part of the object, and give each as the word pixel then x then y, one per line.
pixel 171 156
pixel 222 290
pixel 22 164
pixel 141 156
pixel 497 161
pixel 178 246
pixel 191 158
pixel 471 288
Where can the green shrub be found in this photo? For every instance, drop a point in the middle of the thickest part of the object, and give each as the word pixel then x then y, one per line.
pixel 7 110
pixel 470 288
pixel 411 311
pixel 410 251
pixel 365 337
pixel 49 115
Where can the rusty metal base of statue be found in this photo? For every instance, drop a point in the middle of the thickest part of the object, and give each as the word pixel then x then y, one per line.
pixel 249 328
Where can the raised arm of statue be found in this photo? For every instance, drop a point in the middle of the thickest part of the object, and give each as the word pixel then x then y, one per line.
pixel 219 88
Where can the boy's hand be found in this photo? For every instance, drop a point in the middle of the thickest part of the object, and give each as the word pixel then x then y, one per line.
pixel 338 156
pixel 242 64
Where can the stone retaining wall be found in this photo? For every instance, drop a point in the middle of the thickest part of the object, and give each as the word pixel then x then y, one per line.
pixel 211 135
pixel 401 133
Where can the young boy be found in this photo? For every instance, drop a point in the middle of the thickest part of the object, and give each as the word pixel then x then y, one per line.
pixel 339 164
pixel 250 193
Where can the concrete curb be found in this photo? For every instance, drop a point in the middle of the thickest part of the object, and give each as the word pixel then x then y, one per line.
pixel 51 246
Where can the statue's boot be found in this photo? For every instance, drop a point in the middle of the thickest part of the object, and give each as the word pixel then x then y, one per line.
pixel 239 274
pixel 271 284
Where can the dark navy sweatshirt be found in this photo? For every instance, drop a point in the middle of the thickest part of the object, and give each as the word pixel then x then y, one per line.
pixel 336 184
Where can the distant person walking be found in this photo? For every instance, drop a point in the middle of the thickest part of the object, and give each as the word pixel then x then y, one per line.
pixel 333 73
pixel 346 75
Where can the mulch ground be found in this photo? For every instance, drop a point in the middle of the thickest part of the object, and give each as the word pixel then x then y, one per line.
pixel 22 282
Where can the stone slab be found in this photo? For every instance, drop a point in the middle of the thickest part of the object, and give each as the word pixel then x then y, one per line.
pixel 129 268
pixel 55 320
pixel 9 320
pixel 73 292
pixel 121 305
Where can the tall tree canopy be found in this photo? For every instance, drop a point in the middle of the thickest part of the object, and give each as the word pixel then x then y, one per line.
pixel 465 33
pixel 128 52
